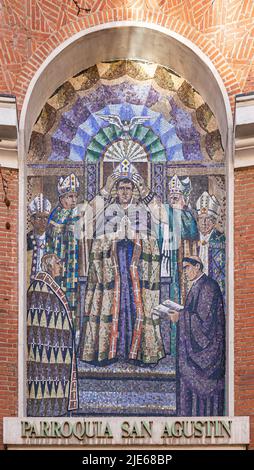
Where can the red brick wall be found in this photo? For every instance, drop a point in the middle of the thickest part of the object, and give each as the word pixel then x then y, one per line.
pixel 29 31
pixel 244 297
pixel 8 295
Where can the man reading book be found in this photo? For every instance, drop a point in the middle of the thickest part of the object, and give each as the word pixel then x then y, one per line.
pixel 200 345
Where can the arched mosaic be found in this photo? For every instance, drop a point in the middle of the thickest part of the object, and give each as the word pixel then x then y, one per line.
pixel 126 248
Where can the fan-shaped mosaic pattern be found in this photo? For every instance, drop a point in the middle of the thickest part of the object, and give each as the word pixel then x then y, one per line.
pixel 157 135
pixel 180 126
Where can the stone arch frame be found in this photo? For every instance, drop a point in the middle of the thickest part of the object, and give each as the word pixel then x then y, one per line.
pixel 127 40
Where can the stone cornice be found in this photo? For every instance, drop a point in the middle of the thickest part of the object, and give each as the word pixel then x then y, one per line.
pixel 244 131
pixel 8 132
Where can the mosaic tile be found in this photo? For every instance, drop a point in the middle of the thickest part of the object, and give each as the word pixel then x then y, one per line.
pixel 126 196
pixel 138 71
pixel 204 115
pixel 213 142
pixel 164 78
pixel 46 120
pixel 187 95
pixel 37 147
pixel 111 70
pixel 62 96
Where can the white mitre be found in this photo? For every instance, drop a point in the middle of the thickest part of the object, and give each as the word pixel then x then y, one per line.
pixel 68 184
pixel 182 186
pixel 126 169
pixel 208 205
pixel 39 204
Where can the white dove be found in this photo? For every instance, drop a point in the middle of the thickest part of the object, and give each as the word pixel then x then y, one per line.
pixel 125 126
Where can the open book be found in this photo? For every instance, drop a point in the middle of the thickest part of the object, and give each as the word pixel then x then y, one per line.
pixel 166 308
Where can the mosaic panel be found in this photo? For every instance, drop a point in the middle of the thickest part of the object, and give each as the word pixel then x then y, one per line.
pixel 126 248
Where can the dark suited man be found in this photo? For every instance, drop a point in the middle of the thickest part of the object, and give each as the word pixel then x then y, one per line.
pixel 200 345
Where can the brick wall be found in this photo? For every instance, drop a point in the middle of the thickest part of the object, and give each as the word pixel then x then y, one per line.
pixel 244 298
pixel 29 31
pixel 8 295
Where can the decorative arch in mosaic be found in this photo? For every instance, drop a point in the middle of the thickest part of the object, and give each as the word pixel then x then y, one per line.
pixel 126 248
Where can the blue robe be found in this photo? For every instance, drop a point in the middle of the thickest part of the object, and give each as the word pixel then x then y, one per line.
pixel 201 351
pixel 127 313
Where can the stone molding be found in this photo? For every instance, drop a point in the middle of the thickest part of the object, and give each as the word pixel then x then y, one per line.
pixel 81 432
pixel 8 132
pixel 244 130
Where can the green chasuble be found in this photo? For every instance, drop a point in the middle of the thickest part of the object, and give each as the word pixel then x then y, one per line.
pixel 60 240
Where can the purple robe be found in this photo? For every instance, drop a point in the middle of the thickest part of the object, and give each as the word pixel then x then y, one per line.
pixel 127 314
pixel 201 351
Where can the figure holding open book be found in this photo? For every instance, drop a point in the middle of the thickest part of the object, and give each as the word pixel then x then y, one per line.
pixel 181 240
pixel 200 344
